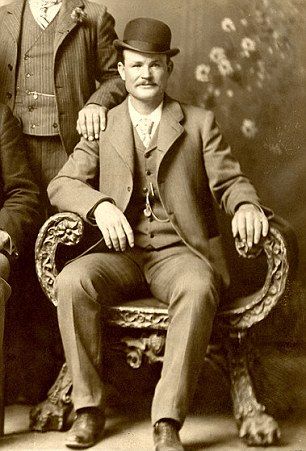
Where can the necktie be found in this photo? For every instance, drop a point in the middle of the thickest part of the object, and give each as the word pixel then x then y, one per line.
pixel 144 129
pixel 43 9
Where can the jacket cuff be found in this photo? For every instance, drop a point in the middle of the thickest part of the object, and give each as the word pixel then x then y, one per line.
pixel 90 215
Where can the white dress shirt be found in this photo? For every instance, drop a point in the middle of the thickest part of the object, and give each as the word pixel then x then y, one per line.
pixel 155 116
pixel 53 7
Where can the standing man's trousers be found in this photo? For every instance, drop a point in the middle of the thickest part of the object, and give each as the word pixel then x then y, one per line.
pixel 46 156
pixel 176 276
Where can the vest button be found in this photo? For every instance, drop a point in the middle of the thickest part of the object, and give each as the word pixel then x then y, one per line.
pixel 9 95
pixel 148 172
pixel 10 67
pixel 147 155
pixel 55 125
pixel 30 108
pixel 129 188
pixel 145 189
pixel 33 125
pixel 26 57
pixel 151 235
pixel 28 75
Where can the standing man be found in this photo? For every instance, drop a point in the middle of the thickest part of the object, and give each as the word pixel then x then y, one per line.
pixel 19 209
pixel 148 186
pixel 52 54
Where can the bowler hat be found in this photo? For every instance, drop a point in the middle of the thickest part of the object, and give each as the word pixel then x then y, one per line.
pixel 147 35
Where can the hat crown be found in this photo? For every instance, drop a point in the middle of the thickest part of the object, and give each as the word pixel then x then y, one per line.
pixel 150 31
pixel 147 35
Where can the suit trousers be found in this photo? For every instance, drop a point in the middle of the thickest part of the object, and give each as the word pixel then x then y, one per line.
pixel 175 275
pixel 46 156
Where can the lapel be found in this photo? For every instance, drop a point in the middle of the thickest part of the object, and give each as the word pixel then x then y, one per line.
pixel 13 18
pixel 170 128
pixel 64 22
pixel 120 134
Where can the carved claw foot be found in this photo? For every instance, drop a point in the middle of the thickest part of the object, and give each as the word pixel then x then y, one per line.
pixel 259 429
pixel 47 416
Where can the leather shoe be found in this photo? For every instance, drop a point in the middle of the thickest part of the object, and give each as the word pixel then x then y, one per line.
pixel 166 436
pixel 87 429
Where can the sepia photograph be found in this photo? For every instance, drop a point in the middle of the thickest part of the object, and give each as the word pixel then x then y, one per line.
pixel 152 225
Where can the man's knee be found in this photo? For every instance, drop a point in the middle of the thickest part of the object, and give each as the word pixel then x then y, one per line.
pixel 199 290
pixel 74 279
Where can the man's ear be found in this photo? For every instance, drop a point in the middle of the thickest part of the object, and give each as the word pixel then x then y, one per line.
pixel 170 67
pixel 121 70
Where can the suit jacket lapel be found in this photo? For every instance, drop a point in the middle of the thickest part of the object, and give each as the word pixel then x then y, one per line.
pixel 14 18
pixel 120 134
pixel 170 128
pixel 65 23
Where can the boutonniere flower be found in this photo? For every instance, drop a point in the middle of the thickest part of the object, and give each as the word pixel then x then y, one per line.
pixel 78 15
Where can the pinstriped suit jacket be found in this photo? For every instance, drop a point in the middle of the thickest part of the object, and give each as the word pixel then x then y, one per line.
pixel 83 56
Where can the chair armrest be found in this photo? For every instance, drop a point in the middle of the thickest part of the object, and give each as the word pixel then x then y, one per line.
pixel 62 228
pixel 281 252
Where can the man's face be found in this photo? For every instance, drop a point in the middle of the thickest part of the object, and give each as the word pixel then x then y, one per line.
pixel 145 75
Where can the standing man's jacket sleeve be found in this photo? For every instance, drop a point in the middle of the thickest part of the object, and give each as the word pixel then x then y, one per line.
pixel 111 90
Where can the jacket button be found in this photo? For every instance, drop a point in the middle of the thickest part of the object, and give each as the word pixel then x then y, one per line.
pixel 9 95
pixel 129 188
pixel 151 235
pixel 148 172
pixel 55 125
pixel 10 67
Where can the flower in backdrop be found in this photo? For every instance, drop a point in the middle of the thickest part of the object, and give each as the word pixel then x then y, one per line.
pixel 248 46
pixel 225 67
pixel 78 14
pixel 217 54
pixel 228 25
pixel 249 128
pixel 251 60
pixel 202 72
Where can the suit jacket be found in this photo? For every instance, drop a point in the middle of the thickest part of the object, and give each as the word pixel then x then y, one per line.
pixel 195 167
pixel 19 204
pixel 83 55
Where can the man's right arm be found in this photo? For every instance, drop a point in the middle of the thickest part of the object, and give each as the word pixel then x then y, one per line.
pixel 72 190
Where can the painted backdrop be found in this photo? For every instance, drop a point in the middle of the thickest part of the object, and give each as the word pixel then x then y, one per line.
pixel 246 60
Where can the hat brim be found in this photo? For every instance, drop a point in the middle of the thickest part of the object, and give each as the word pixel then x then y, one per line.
pixel 118 44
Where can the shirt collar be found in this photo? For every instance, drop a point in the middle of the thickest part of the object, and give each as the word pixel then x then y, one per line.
pixel 155 116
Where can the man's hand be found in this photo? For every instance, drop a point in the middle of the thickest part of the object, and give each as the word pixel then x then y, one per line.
pixel 250 223
pixel 114 226
pixel 91 120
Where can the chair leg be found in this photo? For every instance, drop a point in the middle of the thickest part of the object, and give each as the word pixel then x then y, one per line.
pixel 55 412
pixel 255 427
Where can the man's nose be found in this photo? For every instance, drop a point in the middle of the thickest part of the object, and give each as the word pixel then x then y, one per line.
pixel 146 72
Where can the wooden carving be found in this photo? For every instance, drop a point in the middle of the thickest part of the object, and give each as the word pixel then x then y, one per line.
pixel 255 426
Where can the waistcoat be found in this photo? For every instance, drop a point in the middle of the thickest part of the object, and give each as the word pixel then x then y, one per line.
pixel 37 113
pixel 148 232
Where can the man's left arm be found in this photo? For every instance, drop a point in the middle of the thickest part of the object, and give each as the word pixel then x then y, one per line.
pixel 231 188
pixel 111 90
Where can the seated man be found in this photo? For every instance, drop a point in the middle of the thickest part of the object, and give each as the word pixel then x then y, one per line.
pixel 19 205
pixel 148 186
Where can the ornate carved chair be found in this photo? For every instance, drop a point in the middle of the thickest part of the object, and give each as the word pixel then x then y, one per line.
pixel 233 324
